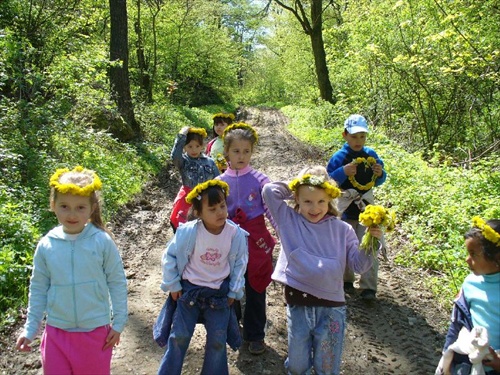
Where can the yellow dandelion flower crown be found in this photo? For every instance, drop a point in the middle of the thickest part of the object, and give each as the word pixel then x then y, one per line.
pixel 200 188
pixel 71 188
pixel 240 125
pixel 199 131
pixel 317 181
pixel 223 115
pixel 487 231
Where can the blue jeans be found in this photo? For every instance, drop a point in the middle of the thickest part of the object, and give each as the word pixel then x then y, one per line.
pixel 315 339
pixel 191 307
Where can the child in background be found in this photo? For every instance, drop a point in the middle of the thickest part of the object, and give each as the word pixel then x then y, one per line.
pixel 215 148
pixel 203 269
pixel 478 303
pixel 77 272
pixel 194 167
pixel 246 208
pixel 357 169
pixel 316 248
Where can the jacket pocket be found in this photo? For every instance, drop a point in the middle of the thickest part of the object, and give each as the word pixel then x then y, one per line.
pixel 316 271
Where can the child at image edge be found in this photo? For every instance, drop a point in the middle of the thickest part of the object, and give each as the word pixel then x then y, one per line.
pixel 215 148
pixel 246 208
pixel 316 248
pixel 478 303
pixel 194 167
pixel 203 269
pixel 77 272
pixel 357 169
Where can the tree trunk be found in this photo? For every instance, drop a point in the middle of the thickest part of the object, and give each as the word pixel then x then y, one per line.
pixel 318 47
pixel 118 73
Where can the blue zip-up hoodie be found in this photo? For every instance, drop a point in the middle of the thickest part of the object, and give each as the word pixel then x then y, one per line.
pixel 73 282
pixel 181 246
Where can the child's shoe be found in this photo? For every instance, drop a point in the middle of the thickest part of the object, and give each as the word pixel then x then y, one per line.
pixel 368 295
pixel 256 347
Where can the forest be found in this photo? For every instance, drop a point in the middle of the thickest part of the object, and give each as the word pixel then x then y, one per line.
pixel 108 85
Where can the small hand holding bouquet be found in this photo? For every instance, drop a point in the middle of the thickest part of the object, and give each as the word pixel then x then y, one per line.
pixel 220 162
pixel 375 216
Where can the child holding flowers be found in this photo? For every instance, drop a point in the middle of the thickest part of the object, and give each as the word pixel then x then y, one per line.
pixel 316 248
pixel 203 269
pixel 78 283
pixel 246 208
pixel 478 303
pixel 215 148
pixel 194 167
pixel 357 169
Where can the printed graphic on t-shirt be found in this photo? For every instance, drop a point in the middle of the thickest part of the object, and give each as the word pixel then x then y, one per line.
pixel 211 257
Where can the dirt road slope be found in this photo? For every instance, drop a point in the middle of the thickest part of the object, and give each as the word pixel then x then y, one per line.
pixel 398 334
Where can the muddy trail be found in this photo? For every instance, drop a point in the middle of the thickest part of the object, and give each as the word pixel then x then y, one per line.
pixel 400 333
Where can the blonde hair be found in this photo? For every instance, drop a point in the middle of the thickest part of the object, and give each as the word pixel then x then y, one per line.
pixel 76 182
pixel 320 171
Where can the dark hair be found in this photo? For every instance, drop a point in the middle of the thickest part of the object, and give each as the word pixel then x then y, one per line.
pixel 490 250
pixel 194 136
pixel 218 120
pixel 214 194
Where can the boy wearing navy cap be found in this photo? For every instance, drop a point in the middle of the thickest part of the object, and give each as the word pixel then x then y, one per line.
pixel 357 169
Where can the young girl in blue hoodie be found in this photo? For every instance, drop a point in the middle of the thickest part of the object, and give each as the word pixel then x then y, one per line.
pixel 203 269
pixel 78 282
pixel 316 248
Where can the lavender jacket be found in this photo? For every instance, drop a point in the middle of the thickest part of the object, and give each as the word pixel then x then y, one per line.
pixel 313 256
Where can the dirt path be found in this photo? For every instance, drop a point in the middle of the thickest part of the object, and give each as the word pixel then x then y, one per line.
pixel 398 334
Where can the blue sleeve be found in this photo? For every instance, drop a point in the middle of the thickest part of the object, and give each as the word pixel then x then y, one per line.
pixel 171 280
pixel 380 180
pixel 117 284
pixel 177 150
pixel 239 247
pixel 335 167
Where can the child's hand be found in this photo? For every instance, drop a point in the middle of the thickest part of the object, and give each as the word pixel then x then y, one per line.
pixel 377 169
pixel 375 232
pixel 230 301
pixel 495 362
pixel 184 130
pixel 350 169
pixel 176 295
pixel 23 344
pixel 112 339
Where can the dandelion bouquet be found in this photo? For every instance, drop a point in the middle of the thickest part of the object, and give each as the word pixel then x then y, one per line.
pixel 220 162
pixel 375 216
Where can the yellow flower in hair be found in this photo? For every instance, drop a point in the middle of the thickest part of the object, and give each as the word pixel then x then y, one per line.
pixel 70 188
pixel 223 115
pixel 200 188
pixel 240 125
pixel 317 181
pixel 488 232
pixel 199 131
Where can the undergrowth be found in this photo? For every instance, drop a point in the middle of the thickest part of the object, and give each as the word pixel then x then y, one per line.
pixel 434 200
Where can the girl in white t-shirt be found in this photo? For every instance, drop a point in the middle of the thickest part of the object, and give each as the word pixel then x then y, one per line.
pixel 204 271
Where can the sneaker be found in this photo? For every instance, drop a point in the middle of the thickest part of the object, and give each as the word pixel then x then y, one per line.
pixel 349 288
pixel 368 295
pixel 256 347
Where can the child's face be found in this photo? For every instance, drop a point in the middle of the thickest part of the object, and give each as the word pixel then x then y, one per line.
pixel 213 217
pixel 193 149
pixel 239 153
pixel 355 141
pixel 219 127
pixel 72 211
pixel 478 264
pixel 312 202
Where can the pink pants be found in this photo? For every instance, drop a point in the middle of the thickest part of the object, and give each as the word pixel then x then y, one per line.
pixel 76 353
